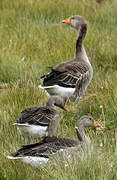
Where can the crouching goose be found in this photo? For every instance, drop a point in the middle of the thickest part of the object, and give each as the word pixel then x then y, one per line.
pixel 41 121
pixel 49 148
pixel 73 77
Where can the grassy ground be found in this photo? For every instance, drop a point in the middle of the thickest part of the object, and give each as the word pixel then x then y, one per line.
pixel 32 38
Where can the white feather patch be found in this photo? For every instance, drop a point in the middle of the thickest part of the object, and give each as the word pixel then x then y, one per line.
pixel 34 161
pixel 58 90
pixel 33 130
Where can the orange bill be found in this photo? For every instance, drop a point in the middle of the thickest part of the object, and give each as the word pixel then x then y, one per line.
pixel 65 108
pixel 96 124
pixel 67 21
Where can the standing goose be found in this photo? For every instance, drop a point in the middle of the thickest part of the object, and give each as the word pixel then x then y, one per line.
pixel 41 121
pixel 71 78
pixel 52 147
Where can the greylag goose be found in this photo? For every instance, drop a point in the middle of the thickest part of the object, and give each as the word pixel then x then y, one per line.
pixel 73 77
pixel 41 121
pixel 42 153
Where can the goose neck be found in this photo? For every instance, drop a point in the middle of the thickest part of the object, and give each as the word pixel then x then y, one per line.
pixel 81 36
pixel 81 134
pixel 51 103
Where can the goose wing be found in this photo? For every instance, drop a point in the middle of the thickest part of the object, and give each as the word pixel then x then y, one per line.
pixel 73 75
pixel 47 147
pixel 36 116
pixel 66 75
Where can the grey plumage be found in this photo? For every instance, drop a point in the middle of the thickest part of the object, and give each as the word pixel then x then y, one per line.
pixel 51 146
pixel 41 116
pixel 75 74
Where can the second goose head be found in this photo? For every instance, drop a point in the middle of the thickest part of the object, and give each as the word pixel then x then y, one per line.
pixel 57 101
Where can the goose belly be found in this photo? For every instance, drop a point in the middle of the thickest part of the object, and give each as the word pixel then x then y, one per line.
pixel 32 160
pixel 33 130
pixel 58 90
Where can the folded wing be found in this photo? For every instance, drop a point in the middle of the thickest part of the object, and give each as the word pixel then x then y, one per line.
pixel 36 116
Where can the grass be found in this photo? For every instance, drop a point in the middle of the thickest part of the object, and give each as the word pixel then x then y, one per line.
pixel 32 38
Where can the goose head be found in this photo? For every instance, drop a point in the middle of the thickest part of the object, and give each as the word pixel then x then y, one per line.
pixel 84 122
pixel 57 101
pixel 87 121
pixel 75 21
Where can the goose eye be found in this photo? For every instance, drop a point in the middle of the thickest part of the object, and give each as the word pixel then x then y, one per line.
pixel 91 119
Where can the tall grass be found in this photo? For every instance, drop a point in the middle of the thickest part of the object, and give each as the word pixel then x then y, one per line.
pixel 33 38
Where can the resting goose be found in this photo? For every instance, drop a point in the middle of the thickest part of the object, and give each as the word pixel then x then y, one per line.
pixel 50 148
pixel 73 77
pixel 41 121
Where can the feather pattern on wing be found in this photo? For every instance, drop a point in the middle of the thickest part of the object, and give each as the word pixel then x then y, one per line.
pixel 72 74
pixel 37 115
pixel 47 147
